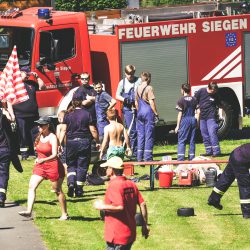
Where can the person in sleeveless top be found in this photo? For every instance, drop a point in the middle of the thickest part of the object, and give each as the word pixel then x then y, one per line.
pixel 147 116
pixel 47 166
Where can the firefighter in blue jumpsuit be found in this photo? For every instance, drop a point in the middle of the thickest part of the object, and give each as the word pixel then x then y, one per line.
pixel 103 102
pixel 186 123
pixel 238 167
pixel 208 102
pixel 126 94
pixel 79 130
pixel 146 117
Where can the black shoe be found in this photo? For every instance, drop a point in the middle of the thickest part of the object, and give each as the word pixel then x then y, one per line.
pixel 71 188
pixel 2 203
pixel 206 154
pixel 246 216
pixel 24 157
pixel 215 204
pixel 79 192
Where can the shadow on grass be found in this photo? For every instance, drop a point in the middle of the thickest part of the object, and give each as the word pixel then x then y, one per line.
pixel 75 218
pixel 76 200
pixel 53 203
pixel 227 214
pixel 96 190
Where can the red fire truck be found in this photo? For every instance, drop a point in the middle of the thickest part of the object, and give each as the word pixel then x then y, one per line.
pixel 195 44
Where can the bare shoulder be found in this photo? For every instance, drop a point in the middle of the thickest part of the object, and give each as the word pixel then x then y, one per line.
pixel 52 137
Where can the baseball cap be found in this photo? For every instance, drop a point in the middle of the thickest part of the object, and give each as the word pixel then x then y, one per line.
pixel 44 120
pixel 114 162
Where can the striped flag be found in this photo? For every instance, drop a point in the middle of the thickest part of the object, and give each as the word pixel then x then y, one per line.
pixel 12 88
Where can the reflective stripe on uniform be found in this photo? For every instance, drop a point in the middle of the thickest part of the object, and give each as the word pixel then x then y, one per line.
pixel 2 190
pixel 216 190
pixel 215 146
pixel 209 147
pixel 148 150
pixel 23 149
pixel 71 173
pixel 79 183
pixel 245 201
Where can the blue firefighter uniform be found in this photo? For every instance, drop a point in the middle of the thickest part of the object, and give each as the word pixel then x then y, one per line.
pixel 83 91
pixel 187 129
pixel 101 106
pixel 208 109
pixel 127 90
pixel 78 149
pixel 145 127
pixel 26 113
pixel 238 167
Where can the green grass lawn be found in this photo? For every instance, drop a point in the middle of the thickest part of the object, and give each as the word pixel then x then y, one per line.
pixel 209 229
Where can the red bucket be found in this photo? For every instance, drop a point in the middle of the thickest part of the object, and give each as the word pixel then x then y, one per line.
pixel 165 179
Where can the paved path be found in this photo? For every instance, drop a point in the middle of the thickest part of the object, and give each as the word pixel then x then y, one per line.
pixel 17 232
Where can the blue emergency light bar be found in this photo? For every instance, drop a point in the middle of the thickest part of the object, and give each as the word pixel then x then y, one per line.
pixel 43 13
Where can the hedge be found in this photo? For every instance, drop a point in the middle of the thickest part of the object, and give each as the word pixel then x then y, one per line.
pixel 88 5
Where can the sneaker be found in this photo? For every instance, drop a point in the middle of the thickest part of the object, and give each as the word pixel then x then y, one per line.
pixel 215 204
pixel 64 217
pixel 71 190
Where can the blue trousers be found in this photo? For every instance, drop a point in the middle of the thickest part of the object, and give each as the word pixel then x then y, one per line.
pixel 4 171
pixel 128 116
pixel 240 171
pixel 209 130
pixel 145 131
pixel 78 153
pixel 186 134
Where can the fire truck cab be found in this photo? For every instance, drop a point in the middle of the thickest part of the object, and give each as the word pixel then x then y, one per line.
pixel 55 46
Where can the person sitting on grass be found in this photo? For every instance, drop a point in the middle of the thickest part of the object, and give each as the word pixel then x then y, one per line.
pixel 47 167
pixel 113 135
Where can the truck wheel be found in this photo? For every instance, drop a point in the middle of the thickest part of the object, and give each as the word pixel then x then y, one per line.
pixel 225 118
pixel 97 170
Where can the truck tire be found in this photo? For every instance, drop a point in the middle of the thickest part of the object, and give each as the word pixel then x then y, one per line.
pixel 225 120
pixel 97 170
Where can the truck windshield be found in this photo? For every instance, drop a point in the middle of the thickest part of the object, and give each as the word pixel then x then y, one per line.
pixel 22 38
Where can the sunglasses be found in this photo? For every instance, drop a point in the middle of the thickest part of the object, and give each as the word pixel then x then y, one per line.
pixel 85 79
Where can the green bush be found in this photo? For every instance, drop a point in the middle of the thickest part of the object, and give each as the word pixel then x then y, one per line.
pixel 148 3
pixel 88 5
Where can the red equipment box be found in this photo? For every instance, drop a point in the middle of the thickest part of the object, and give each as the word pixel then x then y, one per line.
pixel 188 178
pixel 128 170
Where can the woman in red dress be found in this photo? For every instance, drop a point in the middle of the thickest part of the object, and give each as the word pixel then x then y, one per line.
pixel 47 166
